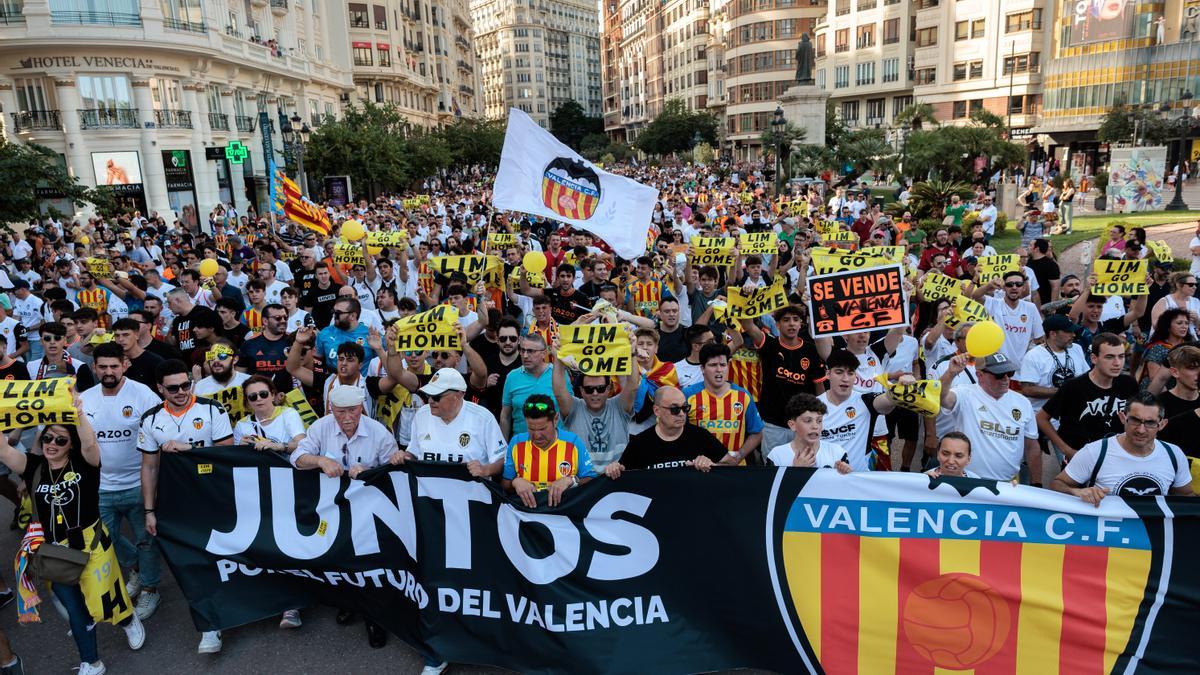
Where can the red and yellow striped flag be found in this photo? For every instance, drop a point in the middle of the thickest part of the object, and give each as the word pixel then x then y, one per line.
pixel 301 211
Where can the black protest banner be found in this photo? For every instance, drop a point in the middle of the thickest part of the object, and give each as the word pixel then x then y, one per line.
pixel 855 301
pixel 649 573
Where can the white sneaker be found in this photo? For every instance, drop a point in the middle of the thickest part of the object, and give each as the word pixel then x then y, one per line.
pixel 147 602
pixel 291 619
pixel 135 632
pixel 96 668
pixel 435 670
pixel 134 585
pixel 210 642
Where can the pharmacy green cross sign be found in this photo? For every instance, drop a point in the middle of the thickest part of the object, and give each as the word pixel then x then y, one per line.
pixel 235 152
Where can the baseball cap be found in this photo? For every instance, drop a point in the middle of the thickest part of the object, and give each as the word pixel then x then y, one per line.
pixel 345 396
pixel 997 364
pixel 1059 322
pixel 444 380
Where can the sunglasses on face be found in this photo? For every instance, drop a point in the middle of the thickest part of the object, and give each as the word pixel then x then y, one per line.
pixel 1014 284
pixel 258 395
pixel 594 389
pixel 507 338
pixel 176 388
pixel 51 439
pixel 222 357
pixel 434 398
pixel 677 409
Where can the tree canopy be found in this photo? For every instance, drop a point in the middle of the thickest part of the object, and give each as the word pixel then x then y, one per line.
pixel 675 129
pixel 570 124
pixel 1120 125
pixel 27 168
pixel 948 151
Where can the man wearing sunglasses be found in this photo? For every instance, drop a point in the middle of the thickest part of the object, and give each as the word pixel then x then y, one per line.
pixel 224 384
pixel 595 415
pixel 544 458
pixel 183 421
pixel 451 429
pixel 671 442
pixel 266 353
pixel 1020 318
pixel 998 420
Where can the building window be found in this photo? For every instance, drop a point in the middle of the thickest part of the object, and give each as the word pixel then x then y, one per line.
pixel 899 103
pixel 385 56
pixel 925 76
pixel 891 31
pixel 875 111
pixel 1019 21
pixel 850 113
pixel 843 7
pixel 891 70
pixel 978 28
pixel 358 16
pixel 105 12
pixel 362 54
pixel 166 94
pixel 380 17
pixel 866 36
pixel 968 70
pixel 104 92
pixel 927 37
pixel 1022 63
pixel 841 77
pixel 960 110
pixel 864 73
pixel 962 30
pixel 841 41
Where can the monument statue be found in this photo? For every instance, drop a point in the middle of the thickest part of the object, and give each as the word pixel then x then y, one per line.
pixel 805 59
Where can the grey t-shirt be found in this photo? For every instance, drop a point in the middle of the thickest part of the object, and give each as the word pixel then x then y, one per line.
pixel 605 434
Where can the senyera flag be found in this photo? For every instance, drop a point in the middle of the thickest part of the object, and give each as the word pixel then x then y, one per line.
pixel 540 175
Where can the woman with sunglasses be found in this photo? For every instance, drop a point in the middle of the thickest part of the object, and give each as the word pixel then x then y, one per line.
pixel 270 428
pixel 64 482
pixel 1182 296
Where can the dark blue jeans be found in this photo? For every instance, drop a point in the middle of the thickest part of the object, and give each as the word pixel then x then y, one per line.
pixel 82 628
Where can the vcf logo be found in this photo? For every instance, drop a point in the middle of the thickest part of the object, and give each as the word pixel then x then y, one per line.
pixel 570 188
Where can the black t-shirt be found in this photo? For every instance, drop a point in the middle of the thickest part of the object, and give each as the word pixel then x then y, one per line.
pixel 163 350
pixel 1045 270
pixel 566 308
pixel 184 334
pixel 591 291
pixel 236 335
pixel 785 373
pixel 262 356
pixel 672 346
pixel 1156 293
pixel 321 303
pixel 1173 405
pixel 1183 430
pixel 141 369
pixel 74 491
pixel 1086 412
pixel 490 397
pixel 648 451
pixel 17 370
pixel 304 280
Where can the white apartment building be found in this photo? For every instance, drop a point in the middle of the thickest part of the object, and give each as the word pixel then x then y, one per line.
pixel 536 55
pixel 146 96
pixel 864 55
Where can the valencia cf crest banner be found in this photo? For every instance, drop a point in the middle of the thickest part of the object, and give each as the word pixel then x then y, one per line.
pixel 789 570
pixel 540 175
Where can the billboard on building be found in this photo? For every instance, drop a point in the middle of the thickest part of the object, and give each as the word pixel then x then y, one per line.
pixel 1099 20
pixel 1136 179
pixel 117 168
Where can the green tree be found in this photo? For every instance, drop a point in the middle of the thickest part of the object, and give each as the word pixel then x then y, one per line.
pixel 26 167
pixel 1120 125
pixel 570 124
pixel 834 129
pixel 675 128
pixel 861 150
pixel 474 141
pixel 917 116
pixel 790 135
pixel 949 151
pixel 368 143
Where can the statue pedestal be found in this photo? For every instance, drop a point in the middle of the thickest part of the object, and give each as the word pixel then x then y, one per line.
pixel 804 106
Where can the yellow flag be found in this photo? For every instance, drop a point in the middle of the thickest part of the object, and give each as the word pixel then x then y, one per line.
pixel 993 266
pixel 761 300
pixel 486 268
pixel 598 349
pixel 430 330
pixel 760 243
pixel 936 286
pixel 966 310
pixel 923 397
pixel 348 254
pixel 715 251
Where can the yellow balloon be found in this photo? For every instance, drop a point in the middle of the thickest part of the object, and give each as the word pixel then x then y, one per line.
pixel 84 240
pixel 208 267
pixel 534 262
pixel 352 230
pixel 984 339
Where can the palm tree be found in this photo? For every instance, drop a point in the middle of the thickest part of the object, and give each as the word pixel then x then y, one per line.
pixel 916 116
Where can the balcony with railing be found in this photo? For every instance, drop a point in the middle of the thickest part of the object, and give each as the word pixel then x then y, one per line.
pixel 11 16
pixel 173 119
pixel 218 121
pixel 88 17
pixel 185 26
pixel 36 120
pixel 245 124
pixel 104 118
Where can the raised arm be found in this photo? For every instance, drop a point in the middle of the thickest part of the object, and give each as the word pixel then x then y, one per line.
pixel 295 362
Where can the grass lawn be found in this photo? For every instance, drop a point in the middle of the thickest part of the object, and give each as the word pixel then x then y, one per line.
pixel 1094 227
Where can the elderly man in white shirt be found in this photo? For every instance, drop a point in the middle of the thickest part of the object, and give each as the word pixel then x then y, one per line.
pixel 346 441
pixel 451 429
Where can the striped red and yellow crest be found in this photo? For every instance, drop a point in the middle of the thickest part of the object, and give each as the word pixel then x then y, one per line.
pixel 947 582
pixel 570 188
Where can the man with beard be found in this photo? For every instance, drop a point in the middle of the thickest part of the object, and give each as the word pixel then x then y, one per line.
pixel 187 317
pixel 115 410
pixel 790 364
pixel 321 296
pixel 566 303
pixel 345 328
pixel 224 385
pixel 266 353
pixel 142 362
pixel 487 383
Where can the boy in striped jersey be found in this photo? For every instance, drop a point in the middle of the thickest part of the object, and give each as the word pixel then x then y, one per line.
pixel 725 410
pixel 544 458
pixel 644 293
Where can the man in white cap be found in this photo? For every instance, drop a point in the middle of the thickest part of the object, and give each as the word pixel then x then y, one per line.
pixel 346 441
pixel 450 429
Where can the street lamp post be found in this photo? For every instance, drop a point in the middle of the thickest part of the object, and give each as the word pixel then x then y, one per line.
pixel 296 134
pixel 1185 126
pixel 777 126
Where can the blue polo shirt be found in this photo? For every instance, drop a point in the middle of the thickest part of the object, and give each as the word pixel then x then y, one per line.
pixel 519 386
